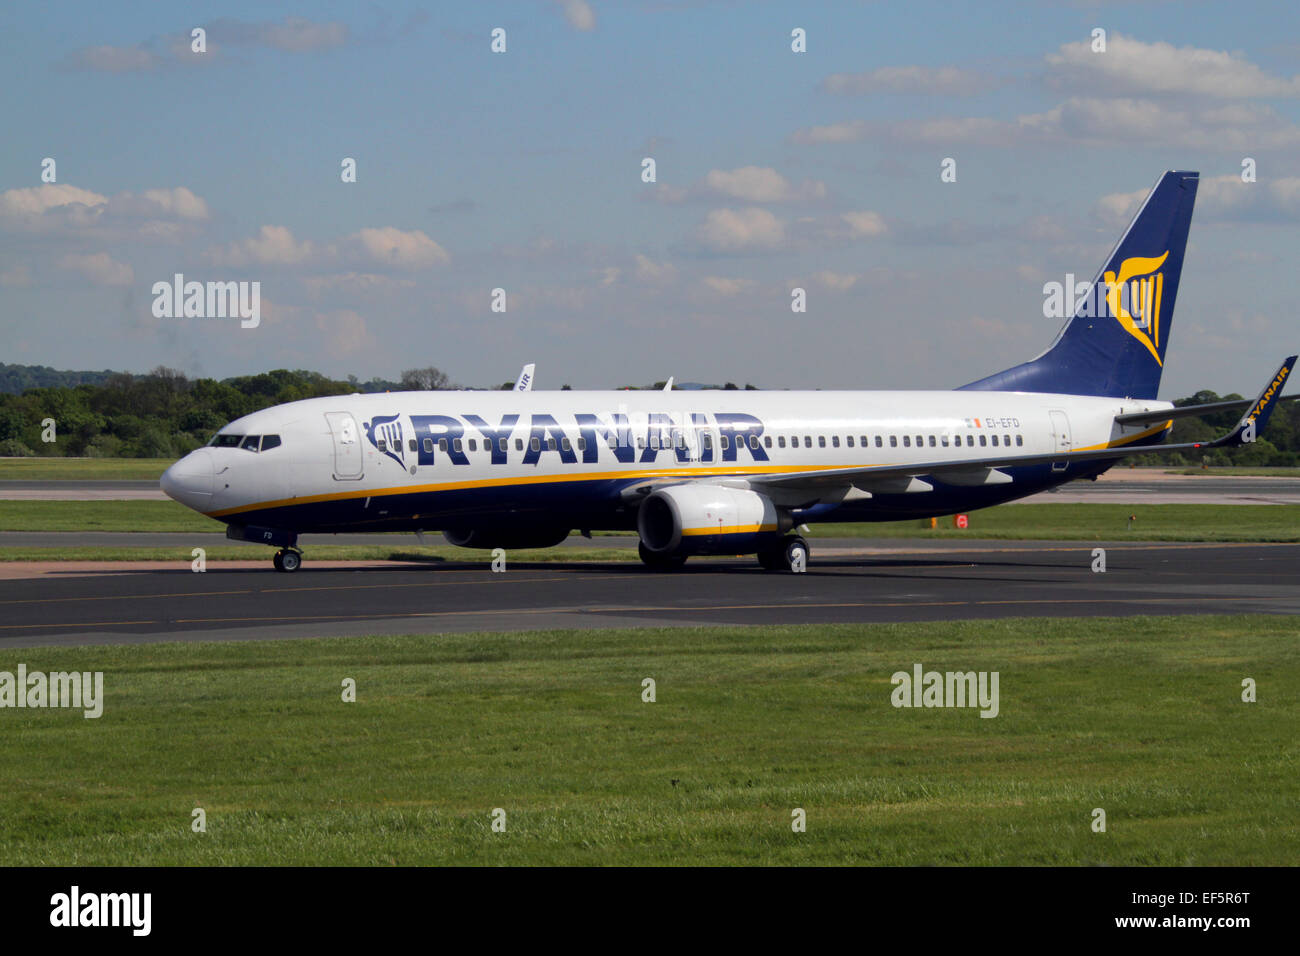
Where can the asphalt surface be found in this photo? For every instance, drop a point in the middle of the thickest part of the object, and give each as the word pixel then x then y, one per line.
pixel 899 583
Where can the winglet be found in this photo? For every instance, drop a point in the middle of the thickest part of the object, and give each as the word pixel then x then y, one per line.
pixel 1256 417
pixel 668 385
pixel 525 381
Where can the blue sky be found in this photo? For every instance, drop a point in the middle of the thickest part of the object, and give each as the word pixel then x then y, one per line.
pixel 522 171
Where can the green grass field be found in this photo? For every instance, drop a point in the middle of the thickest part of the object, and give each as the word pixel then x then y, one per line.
pixel 83 469
pixel 1068 522
pixel 1141 717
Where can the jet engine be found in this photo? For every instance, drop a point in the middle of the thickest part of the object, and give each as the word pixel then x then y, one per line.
pixel 703 518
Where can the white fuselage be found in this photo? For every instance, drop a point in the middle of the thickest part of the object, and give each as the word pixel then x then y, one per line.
pixel 433 460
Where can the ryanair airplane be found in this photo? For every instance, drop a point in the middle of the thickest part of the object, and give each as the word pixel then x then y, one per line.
pixel 721 472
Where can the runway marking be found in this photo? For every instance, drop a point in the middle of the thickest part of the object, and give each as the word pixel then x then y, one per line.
pixel 333 587
pixel 87 624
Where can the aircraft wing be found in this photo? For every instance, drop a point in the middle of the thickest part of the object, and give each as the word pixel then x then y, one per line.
pixel 979 471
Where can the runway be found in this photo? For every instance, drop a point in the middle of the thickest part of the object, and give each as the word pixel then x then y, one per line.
pixel 895 583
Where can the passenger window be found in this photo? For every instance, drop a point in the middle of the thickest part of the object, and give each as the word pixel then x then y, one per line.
pixel 550 444
pixel 1019 440
pixel 780 441
pixel 849 441
pixel 753 441
pixel 708 441
pixel 983 441
pixel 943 440
pixel 473 444
pixel 582 444
pixel 382 445
pixel 501 444
pixel 519 444
pixel 835 441
pixel 640 441
pixel 564 443
pixel 1006 440
pixel 807 441
pixel 270 441
pixel 725 442
pixel 907 441
pixel 412 445
pixel 893 441
pixel 442 445
pixel 535 444
pixel 864 441
pixel 970 441
pixel 879 442
pixel 251 442
pixel 428 446
pixel 931 441
pixel 920 441
pixel 457 444
pixel 995 441
pixel 613 442
pixel 821 441
pixel 767 440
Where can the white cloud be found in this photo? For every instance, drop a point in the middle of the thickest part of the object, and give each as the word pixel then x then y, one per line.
pixel 647 270
pixel 156 215
pixel 838 281
pixel 405 250
pixel 1094 121
pixel 35 200
pixel 100 268
pixel 1130 66
pixel 725 286
pixel 760 184
pixel 354 283
pixel 579 14
pixel 946 80
pixel 273 245
pixel 735 229
pixel 853 131
pixel 864 224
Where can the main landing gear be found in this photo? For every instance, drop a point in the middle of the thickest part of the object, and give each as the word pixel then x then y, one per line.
pixel 287 560
pixel 788 554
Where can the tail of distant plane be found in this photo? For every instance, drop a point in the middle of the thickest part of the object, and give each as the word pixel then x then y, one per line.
pixel 1115 343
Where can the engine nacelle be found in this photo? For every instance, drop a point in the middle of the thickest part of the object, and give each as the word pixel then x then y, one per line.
pixel 701 518
pixel 507 538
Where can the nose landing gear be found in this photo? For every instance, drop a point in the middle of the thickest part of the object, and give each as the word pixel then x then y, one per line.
pixel 287 560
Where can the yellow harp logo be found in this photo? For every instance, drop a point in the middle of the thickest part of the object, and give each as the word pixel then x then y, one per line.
pixel 1133 297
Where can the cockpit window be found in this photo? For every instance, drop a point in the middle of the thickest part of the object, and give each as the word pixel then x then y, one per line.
pixel 270 441
pixel 226 441
pixel 251 442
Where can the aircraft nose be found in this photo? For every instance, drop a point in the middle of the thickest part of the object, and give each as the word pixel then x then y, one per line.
pixel 190 480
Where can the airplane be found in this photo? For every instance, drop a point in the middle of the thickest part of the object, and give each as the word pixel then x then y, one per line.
pixel 723 472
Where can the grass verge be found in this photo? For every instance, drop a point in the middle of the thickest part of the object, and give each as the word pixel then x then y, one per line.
pixel 1141 717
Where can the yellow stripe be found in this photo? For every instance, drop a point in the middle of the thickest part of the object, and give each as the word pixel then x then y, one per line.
pixel 730 529
pixel 596 476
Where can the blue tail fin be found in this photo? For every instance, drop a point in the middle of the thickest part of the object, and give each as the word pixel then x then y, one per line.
pixel 1115 343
